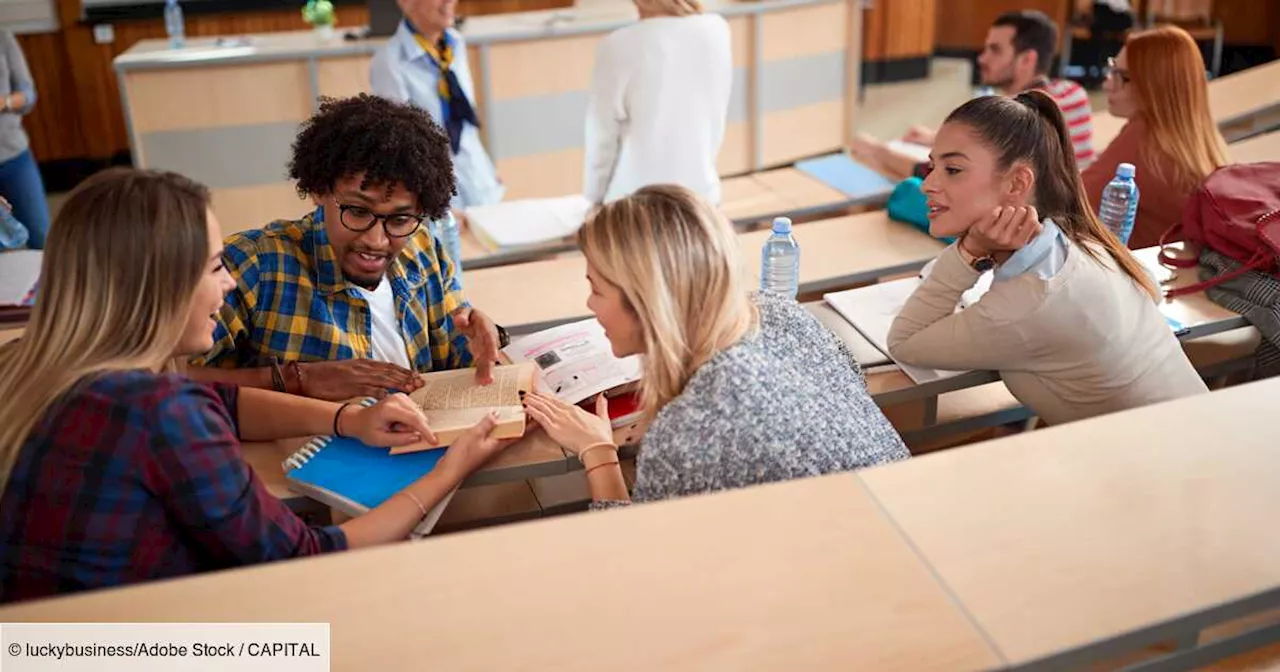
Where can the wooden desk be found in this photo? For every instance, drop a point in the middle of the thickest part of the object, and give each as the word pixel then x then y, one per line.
pixel 1105 534
pixel 803 575
pixel 834 253
pixel 746 200
pixel 1247 101
pixel 1259 148
pixel 8 333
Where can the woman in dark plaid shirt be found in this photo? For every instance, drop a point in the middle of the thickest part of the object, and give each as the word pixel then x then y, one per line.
pixel 114 470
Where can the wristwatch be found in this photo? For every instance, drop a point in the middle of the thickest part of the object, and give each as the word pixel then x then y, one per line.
pixel 980 264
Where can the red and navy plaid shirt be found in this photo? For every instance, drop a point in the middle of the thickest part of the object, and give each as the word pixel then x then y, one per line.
pixel 135 476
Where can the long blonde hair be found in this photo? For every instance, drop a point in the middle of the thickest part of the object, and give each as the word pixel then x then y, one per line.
pixel 1168 76
pixel 675 260
pixel 122 261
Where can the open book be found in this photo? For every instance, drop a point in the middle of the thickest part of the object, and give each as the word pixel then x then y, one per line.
pixel 453 403
pixel 577 363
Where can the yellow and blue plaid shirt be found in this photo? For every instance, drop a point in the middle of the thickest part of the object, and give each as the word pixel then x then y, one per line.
pixel 292 302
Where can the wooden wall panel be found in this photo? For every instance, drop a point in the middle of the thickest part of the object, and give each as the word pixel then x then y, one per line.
pixel 51 124
pixel 897 29
pixel 1247 21
pixel 962 24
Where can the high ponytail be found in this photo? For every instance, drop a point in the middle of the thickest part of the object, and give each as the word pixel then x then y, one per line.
pixel 1030 128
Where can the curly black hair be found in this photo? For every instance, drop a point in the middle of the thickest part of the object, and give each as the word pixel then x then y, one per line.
pixel 388 142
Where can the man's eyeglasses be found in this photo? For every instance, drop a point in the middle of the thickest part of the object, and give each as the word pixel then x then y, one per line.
pixel 1111 71
pixel 361 219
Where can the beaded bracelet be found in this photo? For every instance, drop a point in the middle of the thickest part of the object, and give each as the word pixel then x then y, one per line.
pixel 414 498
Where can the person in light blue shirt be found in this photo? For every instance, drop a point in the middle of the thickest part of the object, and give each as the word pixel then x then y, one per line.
pixel 425 64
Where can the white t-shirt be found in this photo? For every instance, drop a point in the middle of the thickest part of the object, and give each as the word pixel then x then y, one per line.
pixel 658 106
pixel 387 341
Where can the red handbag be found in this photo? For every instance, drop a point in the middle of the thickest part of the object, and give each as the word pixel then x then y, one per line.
pixel 1236 212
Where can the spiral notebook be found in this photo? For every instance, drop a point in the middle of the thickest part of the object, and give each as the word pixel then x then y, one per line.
pixel 352 477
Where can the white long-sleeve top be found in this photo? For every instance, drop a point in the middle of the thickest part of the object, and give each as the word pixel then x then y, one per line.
pixel 658 104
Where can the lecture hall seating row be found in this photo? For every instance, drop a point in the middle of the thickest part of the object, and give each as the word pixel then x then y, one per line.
pixel 1055 549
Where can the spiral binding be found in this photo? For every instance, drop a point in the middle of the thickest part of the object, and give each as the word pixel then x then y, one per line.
pixel 310 448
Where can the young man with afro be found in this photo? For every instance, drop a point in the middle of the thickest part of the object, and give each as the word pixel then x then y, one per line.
pixel 356 298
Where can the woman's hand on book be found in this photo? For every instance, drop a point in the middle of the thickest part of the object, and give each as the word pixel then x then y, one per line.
pixel 474 447
pixel 571 427
pixel 347 379
pixel 394 421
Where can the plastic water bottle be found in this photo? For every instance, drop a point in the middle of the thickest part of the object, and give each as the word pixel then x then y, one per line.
pixel 780 261
pixel 449 232
pixel 1120 203
pixel 173 24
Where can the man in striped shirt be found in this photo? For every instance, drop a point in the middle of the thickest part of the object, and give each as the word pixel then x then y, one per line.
pixel 1016 57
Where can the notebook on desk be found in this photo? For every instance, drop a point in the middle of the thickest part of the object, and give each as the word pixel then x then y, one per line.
pixel 530 221
pixel 847 176
pixel 352 477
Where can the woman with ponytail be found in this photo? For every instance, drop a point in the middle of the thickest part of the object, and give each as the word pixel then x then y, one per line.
pixel 1070 321
pixel 737 389
pixel 116 469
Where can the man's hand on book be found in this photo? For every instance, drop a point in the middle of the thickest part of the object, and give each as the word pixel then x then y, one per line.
pixel 568 425
pixel 482 340
pixel 351 378
pixel 394 421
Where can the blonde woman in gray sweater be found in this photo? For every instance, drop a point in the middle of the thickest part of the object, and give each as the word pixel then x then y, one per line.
pixel 1070 321
pixel 739 389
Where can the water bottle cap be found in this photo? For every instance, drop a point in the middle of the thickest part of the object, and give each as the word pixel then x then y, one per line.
pixel 782 225
pixel 1125 170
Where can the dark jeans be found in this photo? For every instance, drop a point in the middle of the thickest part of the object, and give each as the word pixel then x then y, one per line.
pixel 20 183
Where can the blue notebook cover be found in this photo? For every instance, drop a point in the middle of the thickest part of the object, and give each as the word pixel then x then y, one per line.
pixel 359 476
pixel 845 175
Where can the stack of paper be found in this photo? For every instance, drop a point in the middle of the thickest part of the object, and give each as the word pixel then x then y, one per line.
pixel 918 152
pixel 872 309
pixel 527 222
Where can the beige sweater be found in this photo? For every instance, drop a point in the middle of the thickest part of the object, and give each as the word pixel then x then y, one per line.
pixel 1087 341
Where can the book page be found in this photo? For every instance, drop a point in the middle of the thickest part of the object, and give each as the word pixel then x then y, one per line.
pixel 454 403
pixel 576 360
pixel 448 390
pixel 872 309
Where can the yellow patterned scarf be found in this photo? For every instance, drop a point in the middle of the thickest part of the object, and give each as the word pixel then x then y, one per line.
pixel 442 55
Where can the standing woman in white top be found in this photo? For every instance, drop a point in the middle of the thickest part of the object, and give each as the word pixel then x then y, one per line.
pixel 659 100
pixel 425 64
pixel 1070 321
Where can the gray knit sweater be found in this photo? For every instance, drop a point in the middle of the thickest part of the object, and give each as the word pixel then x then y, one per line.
pixel 787 401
